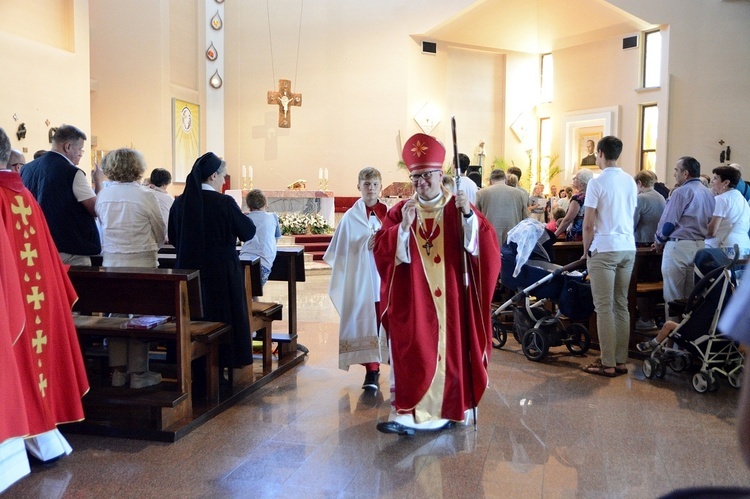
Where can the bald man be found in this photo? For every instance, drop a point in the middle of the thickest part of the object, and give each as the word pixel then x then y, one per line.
pixel 16 161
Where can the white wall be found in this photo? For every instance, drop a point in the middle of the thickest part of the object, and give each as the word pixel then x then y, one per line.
pixel 363 77
pixel 45 78
pixel 132 70
pixel 709 66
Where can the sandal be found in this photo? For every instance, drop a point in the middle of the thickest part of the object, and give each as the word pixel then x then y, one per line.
pixel 621 369
pixel 599 369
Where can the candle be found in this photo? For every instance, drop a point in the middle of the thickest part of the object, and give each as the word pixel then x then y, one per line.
pixel 320 174
pixel 244 171
pixel 251 173
pixel 325 174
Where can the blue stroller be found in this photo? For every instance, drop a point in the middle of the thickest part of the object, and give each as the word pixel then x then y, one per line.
pixel 696 339
pixel 558 291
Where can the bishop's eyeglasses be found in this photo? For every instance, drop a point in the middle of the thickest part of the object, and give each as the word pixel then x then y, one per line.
pixel 416 177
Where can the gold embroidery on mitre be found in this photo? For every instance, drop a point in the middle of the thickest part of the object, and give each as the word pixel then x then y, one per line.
pixel 419 148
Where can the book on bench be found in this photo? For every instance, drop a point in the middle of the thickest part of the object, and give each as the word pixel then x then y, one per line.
pixel 145 322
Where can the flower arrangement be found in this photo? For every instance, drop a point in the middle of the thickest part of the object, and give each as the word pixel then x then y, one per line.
pixel 319 225
pixel 301 223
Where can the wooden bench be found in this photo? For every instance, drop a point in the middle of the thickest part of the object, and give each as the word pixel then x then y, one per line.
pixel 144 291
pixel 288 266
pixel 649 288
pixel 645 281
pixel 262 314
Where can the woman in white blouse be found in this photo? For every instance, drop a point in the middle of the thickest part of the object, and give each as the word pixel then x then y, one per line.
pixel 132 230
pixel 731 218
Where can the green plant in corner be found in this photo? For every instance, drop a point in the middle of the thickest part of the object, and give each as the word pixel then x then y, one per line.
pixel 554 168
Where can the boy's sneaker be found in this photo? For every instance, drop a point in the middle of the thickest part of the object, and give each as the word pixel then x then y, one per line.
pixel 645 346
pixel 148 378
pixel 642 325
pixel 119 378
pixel 371 380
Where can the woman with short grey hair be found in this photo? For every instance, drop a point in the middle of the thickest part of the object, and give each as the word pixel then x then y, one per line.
pixel 572 224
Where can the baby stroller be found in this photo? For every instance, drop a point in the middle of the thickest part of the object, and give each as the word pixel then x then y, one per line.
pixel 696 340
pixel 535 326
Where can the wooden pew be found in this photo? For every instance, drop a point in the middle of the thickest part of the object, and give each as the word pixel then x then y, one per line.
pixel 262 314
pixel 174 293
pixel 646 279
pixel 289 266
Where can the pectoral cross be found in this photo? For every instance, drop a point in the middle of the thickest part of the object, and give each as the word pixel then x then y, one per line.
pixel 285 98
pixel 427 247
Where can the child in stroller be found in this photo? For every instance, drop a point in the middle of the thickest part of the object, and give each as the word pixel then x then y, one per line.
pixel 527 270
pixel 696 335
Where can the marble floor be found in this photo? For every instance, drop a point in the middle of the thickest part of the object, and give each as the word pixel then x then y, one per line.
pixel 545 430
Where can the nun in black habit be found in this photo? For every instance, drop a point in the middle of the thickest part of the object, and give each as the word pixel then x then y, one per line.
pixel 204 226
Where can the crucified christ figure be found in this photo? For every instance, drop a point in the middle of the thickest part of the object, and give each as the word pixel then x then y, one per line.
pixel 284 98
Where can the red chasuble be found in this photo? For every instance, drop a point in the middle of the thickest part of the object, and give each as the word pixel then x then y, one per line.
pixel 424 314
pixel 13 418
pixel 48 354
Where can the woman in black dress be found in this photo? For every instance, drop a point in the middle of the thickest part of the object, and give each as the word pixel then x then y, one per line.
pixel 204 226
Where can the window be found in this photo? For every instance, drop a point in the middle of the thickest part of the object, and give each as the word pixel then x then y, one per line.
pixel 546 78
pixel 545 144
pixel 649 127
pixel 652 59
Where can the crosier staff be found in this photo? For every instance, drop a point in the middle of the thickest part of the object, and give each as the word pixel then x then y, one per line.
pixel 465 274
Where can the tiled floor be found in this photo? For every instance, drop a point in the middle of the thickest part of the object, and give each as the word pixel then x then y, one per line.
pixel 545 430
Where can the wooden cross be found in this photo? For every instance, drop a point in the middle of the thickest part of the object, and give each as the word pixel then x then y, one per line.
pixel 285 98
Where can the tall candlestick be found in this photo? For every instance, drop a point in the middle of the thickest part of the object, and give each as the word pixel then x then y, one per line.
pixel 244 172
pixel 325 174
pixel 251 173
pixel 320 174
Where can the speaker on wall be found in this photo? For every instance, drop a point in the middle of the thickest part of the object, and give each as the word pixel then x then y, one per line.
pixel 630 42
pixel 429 47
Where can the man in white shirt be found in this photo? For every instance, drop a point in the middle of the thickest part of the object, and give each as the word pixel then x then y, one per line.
pixel 609 246
pixel 465 183
pixel 158 181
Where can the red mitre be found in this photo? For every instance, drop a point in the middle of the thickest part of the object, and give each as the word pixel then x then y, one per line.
pixel 423 152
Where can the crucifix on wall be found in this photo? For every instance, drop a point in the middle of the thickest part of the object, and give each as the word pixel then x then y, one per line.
pixel 285 99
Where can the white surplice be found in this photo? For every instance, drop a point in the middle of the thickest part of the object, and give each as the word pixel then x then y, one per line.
pixel 355 286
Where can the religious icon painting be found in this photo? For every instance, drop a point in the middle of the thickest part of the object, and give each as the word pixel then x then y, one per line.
pixel 185 137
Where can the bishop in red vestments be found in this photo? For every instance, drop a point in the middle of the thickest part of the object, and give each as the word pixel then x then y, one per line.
pixel 439 343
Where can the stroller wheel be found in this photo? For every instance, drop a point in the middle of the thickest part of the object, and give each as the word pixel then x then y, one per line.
pixel 713 383
pixel 735 376
pixel 659 368
pixel 499 334
pixel 679 363
pixel 578 339
pixel 517 337
pixel 648 369
pixel 534 345
pixel 701 382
